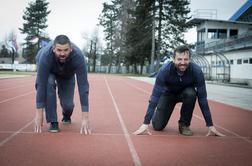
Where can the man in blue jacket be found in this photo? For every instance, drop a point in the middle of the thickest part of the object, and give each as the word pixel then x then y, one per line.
pixel 178 81
pixel 57 64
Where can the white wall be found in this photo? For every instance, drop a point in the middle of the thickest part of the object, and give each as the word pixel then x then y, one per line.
pixel 238 72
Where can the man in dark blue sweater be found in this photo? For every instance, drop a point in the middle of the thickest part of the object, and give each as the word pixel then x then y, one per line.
pixel 57 64
pixel 178 81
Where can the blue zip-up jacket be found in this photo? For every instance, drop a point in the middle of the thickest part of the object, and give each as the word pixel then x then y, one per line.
pixel 75 64
pixel 168 81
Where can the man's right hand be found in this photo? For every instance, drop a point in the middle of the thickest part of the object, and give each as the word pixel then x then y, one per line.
pixel 85 126
pixel 142 130
pixel 39 120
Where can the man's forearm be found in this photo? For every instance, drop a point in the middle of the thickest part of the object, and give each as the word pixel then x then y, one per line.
pixel 206 111
pixel 149 113
pixel 40 112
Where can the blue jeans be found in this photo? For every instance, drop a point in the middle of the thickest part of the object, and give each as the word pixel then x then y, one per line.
pixel 166 106
pixel 66 96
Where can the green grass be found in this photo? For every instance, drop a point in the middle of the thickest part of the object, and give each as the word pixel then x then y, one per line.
pixel 17 73
pixel 127 74
pixel 135 75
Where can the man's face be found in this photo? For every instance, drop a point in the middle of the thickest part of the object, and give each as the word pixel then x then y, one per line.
pixel 62 51
pixel 181 61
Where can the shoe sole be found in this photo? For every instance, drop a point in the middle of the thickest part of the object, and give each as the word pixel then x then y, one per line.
pixel 53 131
pixel 186 134
pixel 66 122
pixel 63 122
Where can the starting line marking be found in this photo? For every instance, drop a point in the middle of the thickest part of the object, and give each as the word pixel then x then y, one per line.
pixel 118 134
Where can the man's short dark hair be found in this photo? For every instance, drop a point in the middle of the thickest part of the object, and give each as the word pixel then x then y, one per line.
pixel 182 49
pixel 62 39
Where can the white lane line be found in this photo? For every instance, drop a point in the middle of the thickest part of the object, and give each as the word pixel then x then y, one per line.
pixel 21 132
pixel 14 134
pixel 198 117
pixel 140 89
pixel 6 100
pixel 132 149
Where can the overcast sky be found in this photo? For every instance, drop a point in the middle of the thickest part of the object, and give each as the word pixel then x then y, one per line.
pixel 77 18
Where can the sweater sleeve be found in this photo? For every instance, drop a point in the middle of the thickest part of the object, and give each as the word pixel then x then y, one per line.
pixel 83 85
pixel 202 97
pixel 43 69
pixel 157 91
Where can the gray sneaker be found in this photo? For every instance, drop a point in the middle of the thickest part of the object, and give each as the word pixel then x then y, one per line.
pixel 185 130
pixel 54 127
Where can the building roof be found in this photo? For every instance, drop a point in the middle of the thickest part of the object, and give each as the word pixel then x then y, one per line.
pixel 244 10
pixel 197 21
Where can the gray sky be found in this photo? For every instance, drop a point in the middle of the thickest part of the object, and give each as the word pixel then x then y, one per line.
pixel 76 18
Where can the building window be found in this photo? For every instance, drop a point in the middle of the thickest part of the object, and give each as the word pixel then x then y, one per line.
pixel 212 34
pixel 233 33
pixel 231 61
pixel 250 60
pixel 217 34
pixel 201 35
pixel 245 60
pixel 239 61
pixel 222 33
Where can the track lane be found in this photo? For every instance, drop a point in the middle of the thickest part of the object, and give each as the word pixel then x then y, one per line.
pixel 174 149
pixel 107 146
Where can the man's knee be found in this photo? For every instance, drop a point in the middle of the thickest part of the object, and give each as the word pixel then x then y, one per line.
pixel 157 126
pixel 158 123
pixel 51 83
pixel 190 94
pixel 67 106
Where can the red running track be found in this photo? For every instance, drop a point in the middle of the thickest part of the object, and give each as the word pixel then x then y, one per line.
pixel 117 107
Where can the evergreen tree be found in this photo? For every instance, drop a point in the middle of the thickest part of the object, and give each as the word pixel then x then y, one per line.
pixel 35 17
pixel 174 22
pixel 109 20
pixel 129 38
pixel 139 36
pixel 124 18
pixel 114 19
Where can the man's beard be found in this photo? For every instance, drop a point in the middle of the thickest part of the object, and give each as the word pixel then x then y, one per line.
pixel 62 60
pixel 183 69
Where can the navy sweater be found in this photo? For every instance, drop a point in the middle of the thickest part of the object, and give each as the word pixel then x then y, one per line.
pixel 168 81
pixel 75 64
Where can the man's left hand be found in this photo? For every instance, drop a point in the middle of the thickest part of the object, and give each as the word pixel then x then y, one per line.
pixel 212 131
pixel 39 118
pixel 85 126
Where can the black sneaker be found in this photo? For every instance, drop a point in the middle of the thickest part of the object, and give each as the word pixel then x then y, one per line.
pixel 54 127
pixel 66 120
pixel 185 130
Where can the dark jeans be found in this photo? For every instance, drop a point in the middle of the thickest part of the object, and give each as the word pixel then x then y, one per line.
pixel 166 106
pixel 66 96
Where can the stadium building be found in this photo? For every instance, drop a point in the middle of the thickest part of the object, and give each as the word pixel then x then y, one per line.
pixel 224 47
